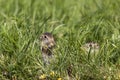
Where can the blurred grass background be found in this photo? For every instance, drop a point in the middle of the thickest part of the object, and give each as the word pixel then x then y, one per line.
pixel 73 23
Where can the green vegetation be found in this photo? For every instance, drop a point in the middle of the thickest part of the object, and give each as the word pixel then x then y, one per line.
pixel 73 23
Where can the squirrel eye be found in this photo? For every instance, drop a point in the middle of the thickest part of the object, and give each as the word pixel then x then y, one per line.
pixel 45 36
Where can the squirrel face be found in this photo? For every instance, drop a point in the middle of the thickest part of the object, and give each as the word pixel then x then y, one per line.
pixel 91 45
pixel 47 40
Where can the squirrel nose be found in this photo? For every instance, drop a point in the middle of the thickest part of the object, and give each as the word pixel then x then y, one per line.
pixel 41 37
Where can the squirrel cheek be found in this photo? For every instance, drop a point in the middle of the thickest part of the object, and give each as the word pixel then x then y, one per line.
pixel 52 44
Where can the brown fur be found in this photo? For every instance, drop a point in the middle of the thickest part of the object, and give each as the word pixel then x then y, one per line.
pixel 47 44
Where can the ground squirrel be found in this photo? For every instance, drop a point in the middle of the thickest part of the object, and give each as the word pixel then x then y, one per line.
pixel 91 45
pixel 47 45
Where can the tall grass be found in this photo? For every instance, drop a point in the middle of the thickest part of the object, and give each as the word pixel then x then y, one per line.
pixel 73 23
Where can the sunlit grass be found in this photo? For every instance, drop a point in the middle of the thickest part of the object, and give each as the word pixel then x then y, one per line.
pixel 73 23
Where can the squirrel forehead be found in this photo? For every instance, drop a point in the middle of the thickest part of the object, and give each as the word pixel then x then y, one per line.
pixel 48 34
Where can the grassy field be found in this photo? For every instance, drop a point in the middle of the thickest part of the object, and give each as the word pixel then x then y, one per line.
pixel 73 23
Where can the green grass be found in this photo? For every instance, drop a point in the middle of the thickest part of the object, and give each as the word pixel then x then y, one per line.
pixel 73 23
